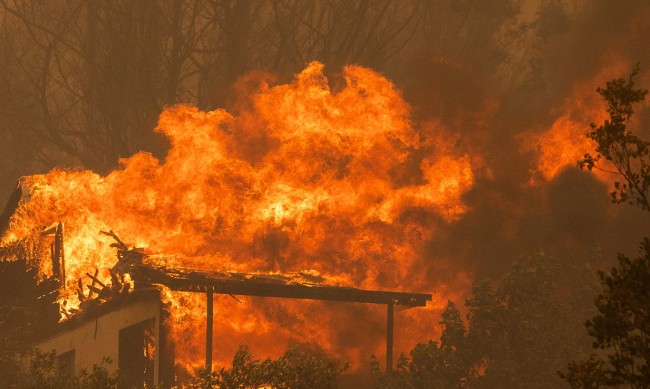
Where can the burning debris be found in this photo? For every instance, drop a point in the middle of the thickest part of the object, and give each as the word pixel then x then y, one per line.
pixel 132 268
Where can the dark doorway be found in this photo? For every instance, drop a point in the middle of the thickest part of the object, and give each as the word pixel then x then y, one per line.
pixel 136 355
pixel 65 363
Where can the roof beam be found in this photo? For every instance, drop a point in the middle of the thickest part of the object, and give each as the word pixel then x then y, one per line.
pixel 201 282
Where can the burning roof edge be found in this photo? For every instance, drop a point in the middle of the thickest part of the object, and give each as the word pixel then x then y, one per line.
pixel 190 280
pixel 84 316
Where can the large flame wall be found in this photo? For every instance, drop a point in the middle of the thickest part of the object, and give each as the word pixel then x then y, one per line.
pixel 339 183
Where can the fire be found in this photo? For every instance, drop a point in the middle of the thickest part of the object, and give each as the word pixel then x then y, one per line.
pixel 559 147
pixel 565 141
pixel 339 183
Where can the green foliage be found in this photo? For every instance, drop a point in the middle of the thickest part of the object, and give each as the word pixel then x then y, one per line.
pixel 621 329
pixel 432 364
pixel 517 335
pixel 37 370
pixel 587 374
pixel 629 154
pixel 530 326
pixel 12 356
pixel 296 369
pixel 622 326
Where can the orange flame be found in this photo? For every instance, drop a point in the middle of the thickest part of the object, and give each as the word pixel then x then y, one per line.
pixel 307 179
pixel 565 141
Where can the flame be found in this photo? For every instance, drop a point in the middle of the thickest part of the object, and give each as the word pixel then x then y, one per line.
pixel 338 183
pixel 565 141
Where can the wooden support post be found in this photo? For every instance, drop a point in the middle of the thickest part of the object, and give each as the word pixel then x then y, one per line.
pixel 208 330
pixel 389 339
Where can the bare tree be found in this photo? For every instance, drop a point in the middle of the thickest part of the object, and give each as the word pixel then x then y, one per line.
pixel 85 80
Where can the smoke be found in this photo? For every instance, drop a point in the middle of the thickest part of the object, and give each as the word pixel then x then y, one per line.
pixel 549 70
pixel 477 94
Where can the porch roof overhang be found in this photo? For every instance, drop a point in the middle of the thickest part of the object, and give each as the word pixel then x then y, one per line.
pixel 188 280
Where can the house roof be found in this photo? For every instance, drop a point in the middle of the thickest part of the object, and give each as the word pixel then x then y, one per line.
pixel 298 286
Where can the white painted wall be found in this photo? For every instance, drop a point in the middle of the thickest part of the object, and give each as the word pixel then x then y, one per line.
pixel 99 337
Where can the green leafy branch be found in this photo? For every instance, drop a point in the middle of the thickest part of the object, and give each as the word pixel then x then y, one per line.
pixel 629 154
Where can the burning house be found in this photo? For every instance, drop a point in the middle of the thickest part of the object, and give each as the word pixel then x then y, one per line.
pixel 312 194
pixel 125 319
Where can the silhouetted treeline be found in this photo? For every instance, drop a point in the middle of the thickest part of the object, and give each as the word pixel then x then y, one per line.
pixel 517 333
